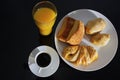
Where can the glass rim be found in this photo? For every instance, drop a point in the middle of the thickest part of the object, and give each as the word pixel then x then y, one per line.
pixel 44 2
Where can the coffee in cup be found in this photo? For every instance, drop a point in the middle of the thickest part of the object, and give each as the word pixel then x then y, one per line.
pixel 43 59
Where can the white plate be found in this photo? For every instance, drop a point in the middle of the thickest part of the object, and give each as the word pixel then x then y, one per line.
pixel 106 54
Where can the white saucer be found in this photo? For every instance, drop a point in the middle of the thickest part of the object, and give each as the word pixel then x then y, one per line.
pixel 43 71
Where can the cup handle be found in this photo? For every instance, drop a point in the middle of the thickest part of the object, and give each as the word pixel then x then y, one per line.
pixel 39 69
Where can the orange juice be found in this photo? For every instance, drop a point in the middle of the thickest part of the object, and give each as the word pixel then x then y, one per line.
pixel 44 19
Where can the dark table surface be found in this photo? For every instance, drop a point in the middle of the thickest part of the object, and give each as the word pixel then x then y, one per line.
pixel 19 36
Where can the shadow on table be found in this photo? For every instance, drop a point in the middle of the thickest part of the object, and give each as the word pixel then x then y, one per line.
pixel 46 40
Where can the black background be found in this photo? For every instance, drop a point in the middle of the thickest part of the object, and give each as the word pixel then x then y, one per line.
pixel 19 36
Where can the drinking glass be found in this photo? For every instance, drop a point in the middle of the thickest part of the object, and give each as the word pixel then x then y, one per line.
pixel 44 14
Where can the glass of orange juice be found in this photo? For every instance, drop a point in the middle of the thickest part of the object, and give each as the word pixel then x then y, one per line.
pixel 44 14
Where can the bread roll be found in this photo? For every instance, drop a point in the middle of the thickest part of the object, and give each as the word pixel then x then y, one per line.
pixel 100 39
pixel 71 31
pixel 95 25
pixel 80 55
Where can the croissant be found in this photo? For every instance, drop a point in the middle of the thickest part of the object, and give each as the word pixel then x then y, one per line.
pixel 71 53
pixel 80 55
pixel 86 56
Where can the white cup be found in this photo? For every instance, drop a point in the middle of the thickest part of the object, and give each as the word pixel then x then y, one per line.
pixel 50 68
